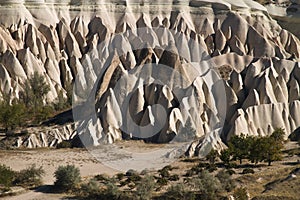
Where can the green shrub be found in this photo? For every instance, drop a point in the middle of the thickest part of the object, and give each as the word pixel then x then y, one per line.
pixel 67 177
pixel 135 178
pixel 226 181
pixel 179 192
pixel 145 188
pixel 103 178
pixel 211 168
pixel 174 177
pixel 90 190
pixel 190 173
pixel 6 176
pixel 131 172
pixel 64 144
pixel 230 171
pixel 248 171
pixel 212 156
pixel 94 190
pixel 225 156
pixel 32 176
pixel 207 185
pixel 120 176
pixel 162 181
pixel 240 194
pixel 164 173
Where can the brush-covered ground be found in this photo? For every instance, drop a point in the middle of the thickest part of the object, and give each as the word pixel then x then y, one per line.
pixel 192 176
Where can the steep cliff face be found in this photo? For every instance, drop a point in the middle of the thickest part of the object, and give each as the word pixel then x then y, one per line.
pixel 145 70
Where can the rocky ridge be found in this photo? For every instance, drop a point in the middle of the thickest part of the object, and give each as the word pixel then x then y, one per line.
pixel 257 59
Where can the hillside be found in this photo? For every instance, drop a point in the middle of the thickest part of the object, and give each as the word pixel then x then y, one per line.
pixel 143 70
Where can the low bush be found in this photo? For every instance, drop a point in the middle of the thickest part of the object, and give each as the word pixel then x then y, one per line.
pixel 174 177
pixel 120 176
pixel 90 190
pixel 240 194
pixel 64 144
pixel 162 181
pixel 248 171
pixel 145 188
pixel 225 179
pixel 207 185
pixel 6 176
pixel 67 177
pixel 30 177
pixel 178 192
pixel 103 178
pixel 164 173
pixel 131 172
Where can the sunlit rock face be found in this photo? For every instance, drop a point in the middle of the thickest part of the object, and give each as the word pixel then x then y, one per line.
pixel 145 70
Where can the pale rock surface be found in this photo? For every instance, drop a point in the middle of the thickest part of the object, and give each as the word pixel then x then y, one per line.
pixel 102 49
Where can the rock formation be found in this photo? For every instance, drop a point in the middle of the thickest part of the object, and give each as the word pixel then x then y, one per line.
pixel 142 71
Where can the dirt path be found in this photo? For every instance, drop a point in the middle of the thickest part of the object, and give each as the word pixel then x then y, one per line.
pixel 41 193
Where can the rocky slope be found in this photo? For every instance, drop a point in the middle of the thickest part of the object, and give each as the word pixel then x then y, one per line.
pixel 145 70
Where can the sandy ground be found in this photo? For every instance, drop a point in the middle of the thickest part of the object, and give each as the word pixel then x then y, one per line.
pixel 50 160
pixel 117 158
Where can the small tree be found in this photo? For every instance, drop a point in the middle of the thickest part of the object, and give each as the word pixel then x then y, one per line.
pixel 212 156
pixel 67 177
pixel 272 150
pixel 225 156
pixel 268 148
pixel 35 90
pixel 240 147
pixel 12 115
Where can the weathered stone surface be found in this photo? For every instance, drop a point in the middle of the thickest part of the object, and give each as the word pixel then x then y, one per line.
pixel 103 53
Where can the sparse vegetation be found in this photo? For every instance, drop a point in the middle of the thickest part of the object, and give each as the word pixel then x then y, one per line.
pixel 27 178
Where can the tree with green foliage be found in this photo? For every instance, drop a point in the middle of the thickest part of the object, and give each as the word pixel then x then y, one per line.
pixel 67 177
pixel 35 91
pixel 272 150
pixel 12 115
pixel 225 156
pixel 257 149
pixel 267 148
pixel 240 147
pixel 212 156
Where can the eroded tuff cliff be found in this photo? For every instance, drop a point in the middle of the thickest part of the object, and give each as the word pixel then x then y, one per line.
pixel 231 69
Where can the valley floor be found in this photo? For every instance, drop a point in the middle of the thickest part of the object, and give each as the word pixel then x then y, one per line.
pixel 266 181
